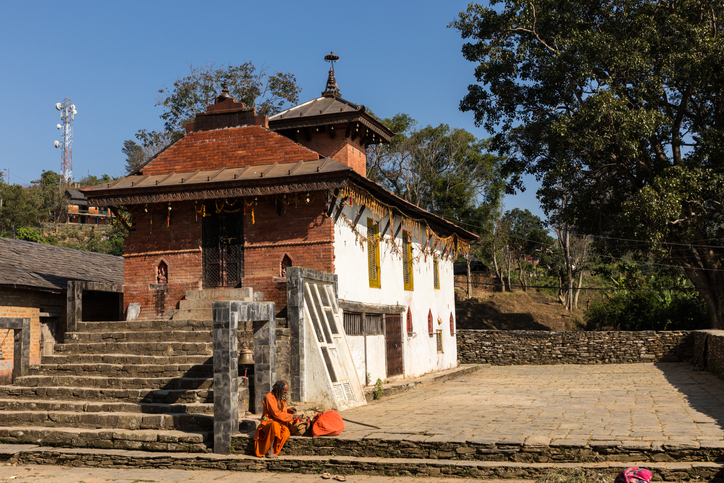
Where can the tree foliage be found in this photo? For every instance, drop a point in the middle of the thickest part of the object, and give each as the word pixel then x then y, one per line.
pixel 268 92
pixel 618 106
pixel 445 171
pixel 18 209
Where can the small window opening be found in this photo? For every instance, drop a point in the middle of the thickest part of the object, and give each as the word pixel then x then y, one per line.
pixel 285 263
pixel 162 273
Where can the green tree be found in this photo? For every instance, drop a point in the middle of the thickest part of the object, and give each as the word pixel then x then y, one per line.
pixel 618 106
pixel 48 194
pixel 268 92
pixel 18 209
pixel 527 237
pixel 445 171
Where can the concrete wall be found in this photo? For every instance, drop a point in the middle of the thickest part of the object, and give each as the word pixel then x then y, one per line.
pixel 501 347
pixel 420 354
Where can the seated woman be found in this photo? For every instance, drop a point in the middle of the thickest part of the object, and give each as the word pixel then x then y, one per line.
pixel 273 431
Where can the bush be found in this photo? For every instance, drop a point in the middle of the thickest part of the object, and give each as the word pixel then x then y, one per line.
pixel 29 234
pixel 659 301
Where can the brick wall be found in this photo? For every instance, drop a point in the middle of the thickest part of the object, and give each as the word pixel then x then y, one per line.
pixel 150 243
pixel 303 232
pixel 340 147
pixel 24 303
pixel 226 148
pixel 503 347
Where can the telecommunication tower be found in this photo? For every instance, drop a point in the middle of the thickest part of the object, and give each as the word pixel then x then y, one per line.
pixel 67 114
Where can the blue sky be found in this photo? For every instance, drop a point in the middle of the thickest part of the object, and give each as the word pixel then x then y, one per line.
pixel 111 58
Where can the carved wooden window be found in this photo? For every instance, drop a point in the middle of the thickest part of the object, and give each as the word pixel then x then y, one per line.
pixel 373 253
pixel 407 261
pixel 435 273
pixel 438 340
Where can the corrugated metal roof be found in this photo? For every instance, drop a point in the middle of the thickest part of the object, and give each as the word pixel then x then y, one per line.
pixel 29 264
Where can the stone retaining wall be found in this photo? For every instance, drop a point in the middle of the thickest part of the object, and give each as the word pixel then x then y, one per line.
pixel 709 351
pixel 504 347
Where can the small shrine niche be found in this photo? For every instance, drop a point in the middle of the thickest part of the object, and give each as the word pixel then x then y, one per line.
pixel 285 263
pixel 162 273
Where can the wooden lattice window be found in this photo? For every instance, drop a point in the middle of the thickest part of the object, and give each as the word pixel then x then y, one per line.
pixel 373 324
pixel 435 273
pixel 352 323
pixel 430 329
pixel 409 321
pixel 407 261
pixel 373 253
pixel 438 340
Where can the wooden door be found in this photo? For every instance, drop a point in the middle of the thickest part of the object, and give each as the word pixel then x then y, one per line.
pixel 393 337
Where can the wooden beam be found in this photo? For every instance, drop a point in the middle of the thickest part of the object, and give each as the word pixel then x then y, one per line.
pixel 359 214
pixel 115 212
pixel 387 225
pixel 398 230
pixel 333 203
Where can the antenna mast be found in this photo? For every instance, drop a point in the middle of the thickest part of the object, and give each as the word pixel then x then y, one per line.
pixel 67 114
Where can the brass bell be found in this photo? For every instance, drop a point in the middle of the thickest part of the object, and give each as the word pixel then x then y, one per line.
pixel 247 355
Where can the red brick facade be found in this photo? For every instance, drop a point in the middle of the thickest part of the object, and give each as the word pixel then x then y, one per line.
pixel 343 149
pixel 303 232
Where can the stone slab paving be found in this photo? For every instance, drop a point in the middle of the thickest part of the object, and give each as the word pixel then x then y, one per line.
pixel 60 474
pixel 622 404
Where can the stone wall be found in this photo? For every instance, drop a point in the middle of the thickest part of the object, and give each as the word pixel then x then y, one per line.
pixel 500 347
pixel 709 351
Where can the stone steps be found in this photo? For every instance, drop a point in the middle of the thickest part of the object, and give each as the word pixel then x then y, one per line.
pixel 126 359
pixel 350 465
pixel 117 382
pixel 144 325
pixel 108 420
pixel 125 370
pixel 83 406
pixel 421 447
pixel 139 396
pixel 141 439
pixel 146 348
pixel 140 336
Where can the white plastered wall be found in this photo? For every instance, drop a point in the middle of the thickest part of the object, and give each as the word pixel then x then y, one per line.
pixel 420 355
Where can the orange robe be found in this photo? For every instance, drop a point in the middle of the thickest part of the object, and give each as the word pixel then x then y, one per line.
pixel 275 427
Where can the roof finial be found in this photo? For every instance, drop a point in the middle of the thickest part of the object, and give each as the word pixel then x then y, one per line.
pixel 224 93
pixel 332 89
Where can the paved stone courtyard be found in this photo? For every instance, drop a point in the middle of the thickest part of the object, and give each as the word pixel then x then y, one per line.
pixel 665 403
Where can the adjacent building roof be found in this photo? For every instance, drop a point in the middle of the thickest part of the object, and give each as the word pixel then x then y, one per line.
pixel 25 264
pixel 326 110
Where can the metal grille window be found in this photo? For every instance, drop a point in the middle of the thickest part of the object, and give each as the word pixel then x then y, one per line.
pixel 438 339
pixel 352 323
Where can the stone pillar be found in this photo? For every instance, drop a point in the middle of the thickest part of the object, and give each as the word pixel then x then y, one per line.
pixel 226 374
pixel 21 349
pixel 74 307
pixel 21 344
pixel 265 349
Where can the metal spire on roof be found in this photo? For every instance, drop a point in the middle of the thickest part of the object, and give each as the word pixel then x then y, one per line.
pixel 332 89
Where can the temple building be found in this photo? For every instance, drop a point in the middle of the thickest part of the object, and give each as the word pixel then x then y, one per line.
pixel 243 200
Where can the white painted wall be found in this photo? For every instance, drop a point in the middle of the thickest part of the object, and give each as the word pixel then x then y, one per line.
pixel 420 354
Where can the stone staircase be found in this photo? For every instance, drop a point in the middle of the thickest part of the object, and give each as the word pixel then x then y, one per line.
pixel 141 385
